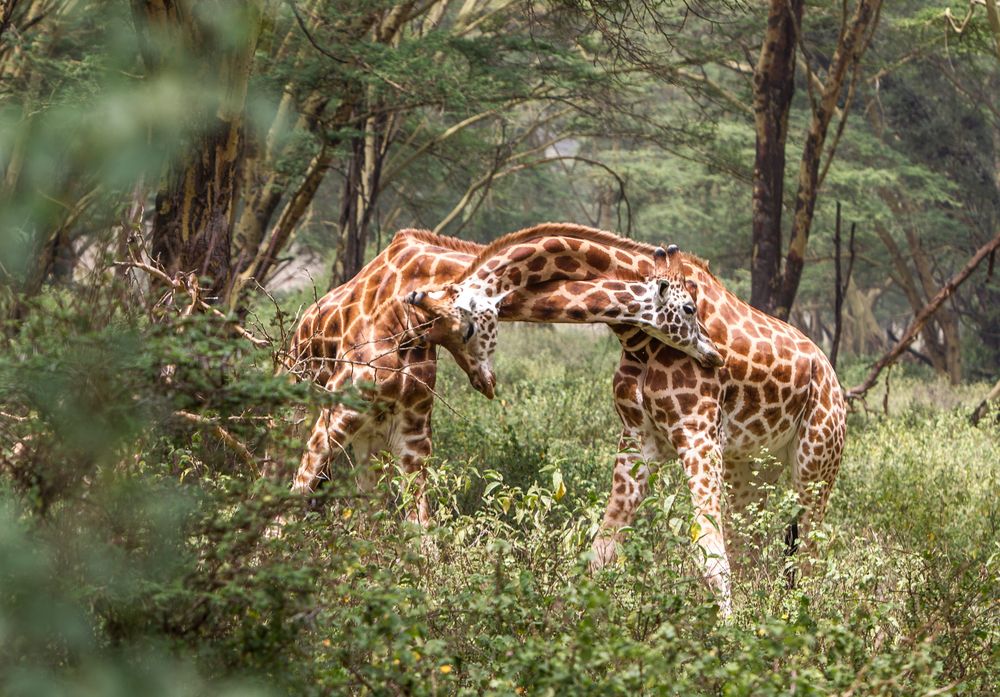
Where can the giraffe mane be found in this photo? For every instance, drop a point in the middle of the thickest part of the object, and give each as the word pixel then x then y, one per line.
pixel 698 262
pixel 579 232
pixel 459 245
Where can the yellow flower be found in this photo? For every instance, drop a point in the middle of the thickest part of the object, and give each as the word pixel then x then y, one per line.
pixel 445 669
pixel 346 515
pixel 416 656
pixel 395 661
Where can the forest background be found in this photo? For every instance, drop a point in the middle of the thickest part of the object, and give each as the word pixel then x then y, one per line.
pixel 837 162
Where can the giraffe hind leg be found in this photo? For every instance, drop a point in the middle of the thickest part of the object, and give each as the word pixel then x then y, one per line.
pixel 791 548
pixel 818 449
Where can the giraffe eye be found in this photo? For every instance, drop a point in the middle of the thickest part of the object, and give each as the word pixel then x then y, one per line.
pixel 689 309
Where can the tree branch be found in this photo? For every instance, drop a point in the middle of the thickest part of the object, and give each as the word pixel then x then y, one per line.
pixel 921 318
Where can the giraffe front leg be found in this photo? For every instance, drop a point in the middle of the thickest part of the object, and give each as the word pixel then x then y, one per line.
pixel 413 460
pixel 333 430
pixel 412 445
pixel 703 466
pixel 629 485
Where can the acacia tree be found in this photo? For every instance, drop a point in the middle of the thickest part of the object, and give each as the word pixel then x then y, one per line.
pixel 371 90
pixel 773 289
pixel 214 43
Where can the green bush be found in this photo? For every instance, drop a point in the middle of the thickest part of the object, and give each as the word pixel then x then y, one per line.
pixel 136 553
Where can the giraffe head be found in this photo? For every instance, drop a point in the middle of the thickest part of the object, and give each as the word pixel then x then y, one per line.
pixel 675 319
pixel 467 331
pixel 675 309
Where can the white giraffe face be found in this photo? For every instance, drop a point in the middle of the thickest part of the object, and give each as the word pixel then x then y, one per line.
pixel 675 319
pixel 467 328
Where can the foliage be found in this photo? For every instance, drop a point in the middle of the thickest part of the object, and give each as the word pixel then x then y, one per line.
pixel 136 556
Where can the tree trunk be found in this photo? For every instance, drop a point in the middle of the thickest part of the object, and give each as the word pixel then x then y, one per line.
pixel 195 211
pixel 772 289
pixel 773 87
pixel 854 39
pixel 361 189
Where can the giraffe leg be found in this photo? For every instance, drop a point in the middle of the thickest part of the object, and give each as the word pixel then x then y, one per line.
pixel 628 488
pixel 413 456
pixel 333 430
pixel 631 473
pixel 817 451
pixel 703 466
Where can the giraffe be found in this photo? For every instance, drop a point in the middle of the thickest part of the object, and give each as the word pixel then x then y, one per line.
pixel 364 334
pixel 348 336
pixel 776 392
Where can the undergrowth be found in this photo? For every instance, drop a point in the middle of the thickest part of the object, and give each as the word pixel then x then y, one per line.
pixel 137 552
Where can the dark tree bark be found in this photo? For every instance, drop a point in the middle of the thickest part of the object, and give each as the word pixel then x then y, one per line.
pixel 774 289
pixel 773 87
pixel 193 223
pixel 360 194
pixel 841 282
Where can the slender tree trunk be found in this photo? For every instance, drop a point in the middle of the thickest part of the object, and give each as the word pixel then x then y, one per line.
pixel 773 87
pixel 361 190
pixel 195 211
pixel 774 289
pixel 853 41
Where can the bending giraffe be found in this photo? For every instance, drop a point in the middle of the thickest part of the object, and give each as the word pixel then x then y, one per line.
pixel 776 392
pixel 349 336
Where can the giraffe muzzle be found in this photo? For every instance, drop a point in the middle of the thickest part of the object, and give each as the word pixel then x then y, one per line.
pixel 708 355
pixel 484 381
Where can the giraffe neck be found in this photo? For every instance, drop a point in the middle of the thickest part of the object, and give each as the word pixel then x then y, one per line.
pixel 609 301
pixel 541 261
pixel 723 313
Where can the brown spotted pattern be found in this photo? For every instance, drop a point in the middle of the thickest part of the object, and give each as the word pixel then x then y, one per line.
pixel 567 273
pixel 363 334
pixel 776 393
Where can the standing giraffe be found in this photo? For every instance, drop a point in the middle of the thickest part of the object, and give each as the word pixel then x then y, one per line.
pixel 349 336
pixel 776 392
